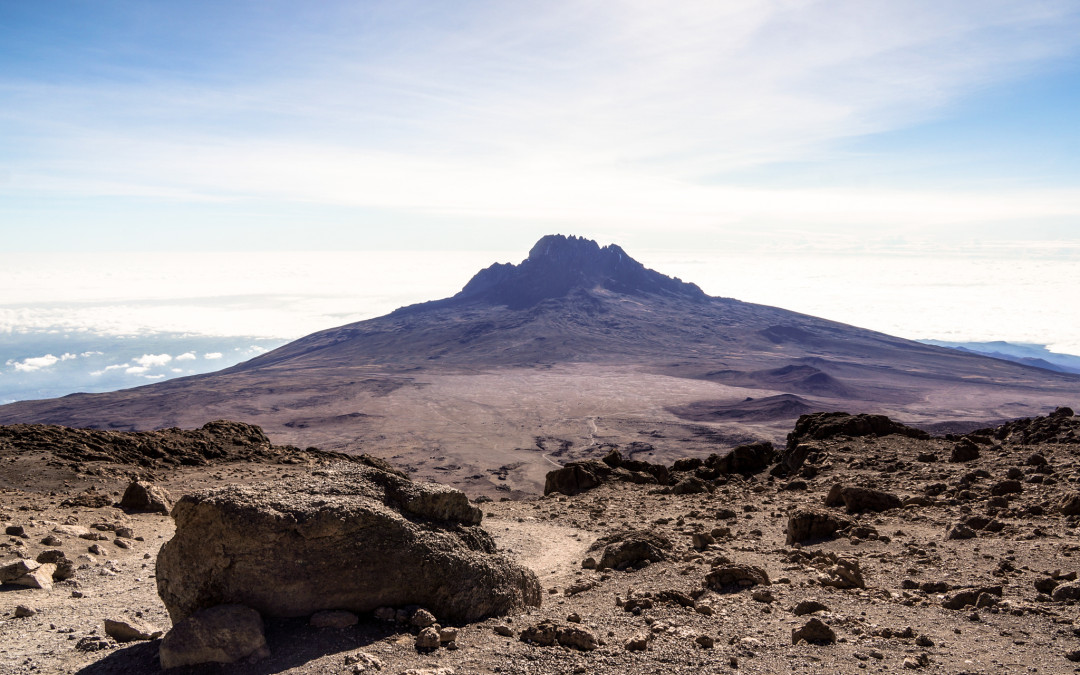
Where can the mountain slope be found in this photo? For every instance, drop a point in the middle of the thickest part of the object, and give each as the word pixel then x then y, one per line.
pixel 577 343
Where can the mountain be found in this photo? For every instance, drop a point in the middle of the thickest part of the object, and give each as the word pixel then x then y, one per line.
pixel 577 347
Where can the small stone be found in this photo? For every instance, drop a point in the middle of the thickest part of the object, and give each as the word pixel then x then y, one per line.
pixel 428 638
pixel 504 630
pixel 639 642
pixel 51 540
pixel 15 530
pixel 24 611
pixel 706 641
pixel 121 543
pixel 422 618
pixel 96 549
pixel 573 617
pixel 924 641
pixel 808 607
pixel 762 595
pixel 960 531
pixel 576 637
pixel 362 661
pixel 124 630
pixel 448 635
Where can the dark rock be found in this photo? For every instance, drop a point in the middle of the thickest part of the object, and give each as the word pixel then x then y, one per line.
pixel 220 634
pixel 823 425
pixel 543 634
pixel 1069 504
pixel 732 576
pixel 964 451
pixel 146 497
pixel 629 549
pixel 576 477
pixel 743 459
pixel 690 485
pixel 806 525
pixel 421 541
pixel 960 531
pixel 970 596
pixel 813 631
pixel 859 499
pixel 1067 591
pixel 1006 487
pixel 808 607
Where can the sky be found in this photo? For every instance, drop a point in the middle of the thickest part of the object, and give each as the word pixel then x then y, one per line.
pixel 218 177
pixel 233 125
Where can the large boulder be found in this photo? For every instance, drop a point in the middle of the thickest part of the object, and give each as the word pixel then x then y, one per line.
pixel 576 477
pixel 743 459
pixel 352 537
pixel 146 497
pixel 822 425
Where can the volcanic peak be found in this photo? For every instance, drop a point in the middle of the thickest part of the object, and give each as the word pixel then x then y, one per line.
pixel 558 265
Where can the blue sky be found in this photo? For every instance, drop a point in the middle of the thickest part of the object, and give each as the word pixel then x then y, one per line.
pixel 396 125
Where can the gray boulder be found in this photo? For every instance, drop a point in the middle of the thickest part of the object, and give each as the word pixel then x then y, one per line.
pixel 146 497
pixel 222 634
pixel 352 538
pixel 807 525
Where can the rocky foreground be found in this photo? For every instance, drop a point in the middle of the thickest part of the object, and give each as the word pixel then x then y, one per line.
pixel 861 545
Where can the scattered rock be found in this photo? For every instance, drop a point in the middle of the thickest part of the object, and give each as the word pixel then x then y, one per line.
pixel 730 577
pixel 638 642
pixel 1006 487
pixel 220 634
pixel 576 637
pixel 859 499
pixel 814 631
pixel 964 451
pixel 809 607
pixel 427 638
pixel 959 531
pixel 25 611
pixel 422 618
pixel 631 548
pixel 124 630
pixel 808 525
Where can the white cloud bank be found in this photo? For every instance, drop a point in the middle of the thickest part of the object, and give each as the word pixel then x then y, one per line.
pixel 212 355
pixel 33 363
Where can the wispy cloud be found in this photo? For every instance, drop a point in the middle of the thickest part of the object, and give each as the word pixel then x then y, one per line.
pixel 212 355
pixel 606 112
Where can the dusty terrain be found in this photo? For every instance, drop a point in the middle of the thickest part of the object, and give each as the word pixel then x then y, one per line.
pixel 1021 541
